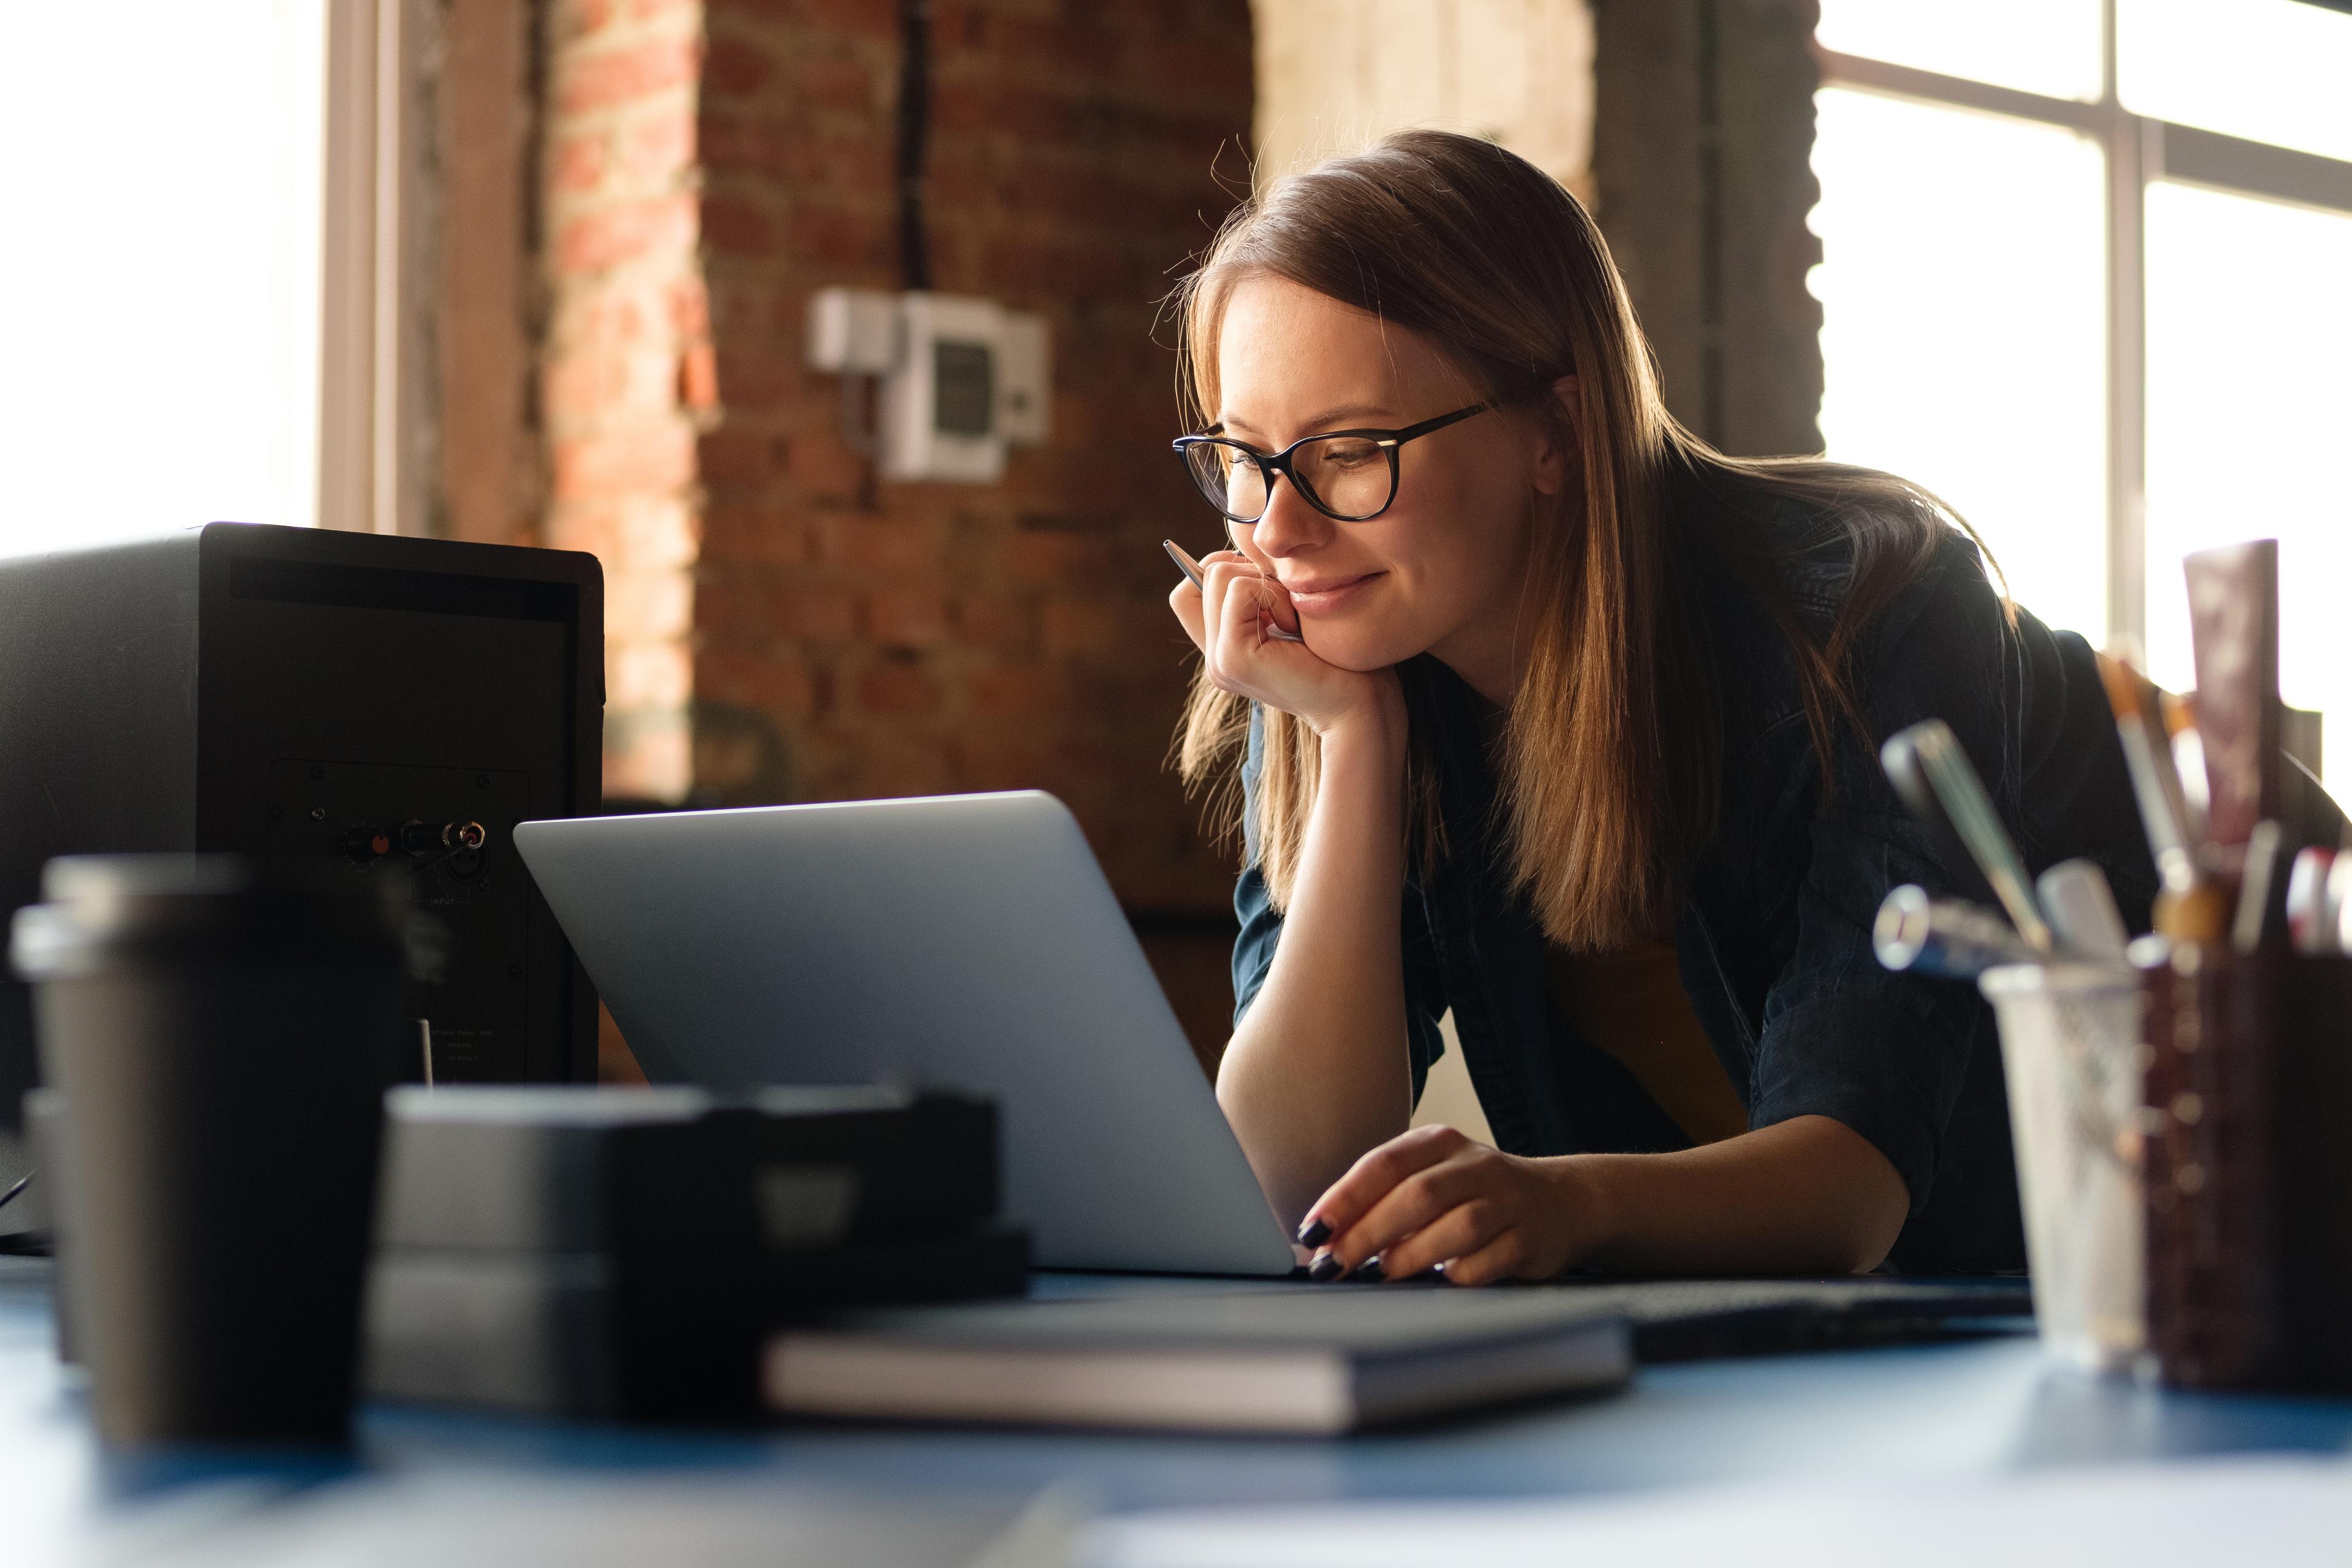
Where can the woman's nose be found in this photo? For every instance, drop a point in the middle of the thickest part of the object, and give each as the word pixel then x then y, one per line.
pixel 1289 524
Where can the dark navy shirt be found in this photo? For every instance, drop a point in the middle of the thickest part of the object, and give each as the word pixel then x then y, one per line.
pixel 1774 936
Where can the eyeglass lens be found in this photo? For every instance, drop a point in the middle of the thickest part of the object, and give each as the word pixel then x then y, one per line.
pixel 1346 475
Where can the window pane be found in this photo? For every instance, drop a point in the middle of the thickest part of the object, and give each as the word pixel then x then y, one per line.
pixel 2248 328
pixel 2039 45
pixel 2269 71
pixel 161 266
pixel 1962 284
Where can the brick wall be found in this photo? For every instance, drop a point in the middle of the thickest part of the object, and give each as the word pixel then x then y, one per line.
pixel 783 627
pixel 625 368
pixel 864 641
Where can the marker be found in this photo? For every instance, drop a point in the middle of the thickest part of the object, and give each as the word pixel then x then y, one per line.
pixel 1950 938
pixel 1935 779
pixel 2081 908
pixel 1191 570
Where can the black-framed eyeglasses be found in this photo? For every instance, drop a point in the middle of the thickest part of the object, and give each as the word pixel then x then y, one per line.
pixel 1349 476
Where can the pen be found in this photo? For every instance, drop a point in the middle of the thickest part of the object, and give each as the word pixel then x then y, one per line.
pixel 1936 781
pixel 1191 570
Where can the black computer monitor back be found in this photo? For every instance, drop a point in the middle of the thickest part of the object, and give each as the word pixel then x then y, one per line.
pixel 287 690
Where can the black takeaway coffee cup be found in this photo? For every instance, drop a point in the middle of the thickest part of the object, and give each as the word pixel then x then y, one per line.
pixel 220 1029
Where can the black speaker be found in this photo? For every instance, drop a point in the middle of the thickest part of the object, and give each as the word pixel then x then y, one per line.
pixel 374 701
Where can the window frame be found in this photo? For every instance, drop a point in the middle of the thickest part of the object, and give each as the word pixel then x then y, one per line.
pixel 2138 150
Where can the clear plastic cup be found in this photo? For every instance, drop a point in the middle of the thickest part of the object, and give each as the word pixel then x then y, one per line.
pixel 2071 1047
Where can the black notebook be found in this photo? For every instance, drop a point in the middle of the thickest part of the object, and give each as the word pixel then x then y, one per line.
pixel 1295 1361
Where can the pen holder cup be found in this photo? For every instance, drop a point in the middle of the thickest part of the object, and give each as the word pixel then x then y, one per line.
pixel 2249 1170
pixel 2071 1049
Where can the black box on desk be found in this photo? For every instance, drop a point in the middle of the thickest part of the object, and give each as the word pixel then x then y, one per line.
pixel 624 1253
pixel 269 691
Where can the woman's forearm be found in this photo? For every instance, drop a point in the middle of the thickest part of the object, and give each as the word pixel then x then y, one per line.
pixel 1806 1195
pixel 1316 1073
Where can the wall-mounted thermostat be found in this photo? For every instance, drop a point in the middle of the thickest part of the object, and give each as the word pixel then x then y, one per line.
pixel 958 378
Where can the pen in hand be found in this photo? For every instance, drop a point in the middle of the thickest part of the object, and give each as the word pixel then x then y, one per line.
pixel 1191 570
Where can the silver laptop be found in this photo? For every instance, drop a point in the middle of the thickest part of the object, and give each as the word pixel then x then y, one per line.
pixel 964 940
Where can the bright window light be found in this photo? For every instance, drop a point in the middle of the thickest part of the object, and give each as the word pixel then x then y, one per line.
pixel 2049 46
pixel 1963 291
pixel 2249 329
pixel 2268 70
pixel 163 183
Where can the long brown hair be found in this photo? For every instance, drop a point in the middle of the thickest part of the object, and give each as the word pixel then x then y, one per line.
pixel 1610 760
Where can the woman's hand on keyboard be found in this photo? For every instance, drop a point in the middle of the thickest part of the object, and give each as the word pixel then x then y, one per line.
pixel 1431 1198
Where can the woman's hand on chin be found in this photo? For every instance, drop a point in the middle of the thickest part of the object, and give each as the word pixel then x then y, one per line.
pixel 1431 1198
pixel 1231 619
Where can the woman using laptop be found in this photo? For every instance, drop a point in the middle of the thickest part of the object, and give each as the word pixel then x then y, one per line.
pixel 1581 743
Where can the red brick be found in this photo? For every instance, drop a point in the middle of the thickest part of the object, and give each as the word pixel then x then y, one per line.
pixel 895 762
pixel 823 465
pixel 698 378
pixel 840 84
pixel 738 458
pixel 779 685
pixel 638 70
pixel 896 688
pixel 656 458
pixel 998 758
pixel 815 615
pixel 767 376
pixel 751 533
pixel 579 162
pixel 878 543
pixel 658 144
pixel 689 308
pixel 733 69
pixel 737 228
pixel 602 316
pixel 914 617
pixel 625 231
pixel 1080 626
pixel 862 18
pixel 1053 557
pixel 1020 689
pixel 582 18
pixel 991 623
pixel 837 236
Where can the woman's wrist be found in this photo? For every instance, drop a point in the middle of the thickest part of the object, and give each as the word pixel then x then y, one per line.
pixel 1590 1213
pixel 1379 721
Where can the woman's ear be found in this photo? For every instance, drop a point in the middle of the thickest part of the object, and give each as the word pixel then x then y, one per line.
pixel 1555 458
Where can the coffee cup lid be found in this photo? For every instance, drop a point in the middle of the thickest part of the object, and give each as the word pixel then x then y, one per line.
pixel 108 906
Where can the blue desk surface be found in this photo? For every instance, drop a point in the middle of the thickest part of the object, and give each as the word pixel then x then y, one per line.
pixel 1953 1408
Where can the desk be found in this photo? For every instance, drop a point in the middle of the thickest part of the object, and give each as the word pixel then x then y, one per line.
pixel 1952 1409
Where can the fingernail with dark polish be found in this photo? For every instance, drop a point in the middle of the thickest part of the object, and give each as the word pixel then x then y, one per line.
pixel 1372 1273
pixel 1325 1267
pixel 1314 1233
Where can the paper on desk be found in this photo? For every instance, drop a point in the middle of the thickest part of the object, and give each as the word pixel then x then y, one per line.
pixel 2280 1512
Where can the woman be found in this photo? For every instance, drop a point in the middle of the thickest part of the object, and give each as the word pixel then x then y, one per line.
pixel 1581 743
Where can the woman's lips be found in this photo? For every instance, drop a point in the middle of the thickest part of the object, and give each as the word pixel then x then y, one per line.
pixel 1330 595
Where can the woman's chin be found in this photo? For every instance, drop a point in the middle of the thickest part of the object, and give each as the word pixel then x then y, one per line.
pixel 1343 647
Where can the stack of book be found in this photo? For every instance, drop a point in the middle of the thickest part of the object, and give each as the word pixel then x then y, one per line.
pixel 625 1252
